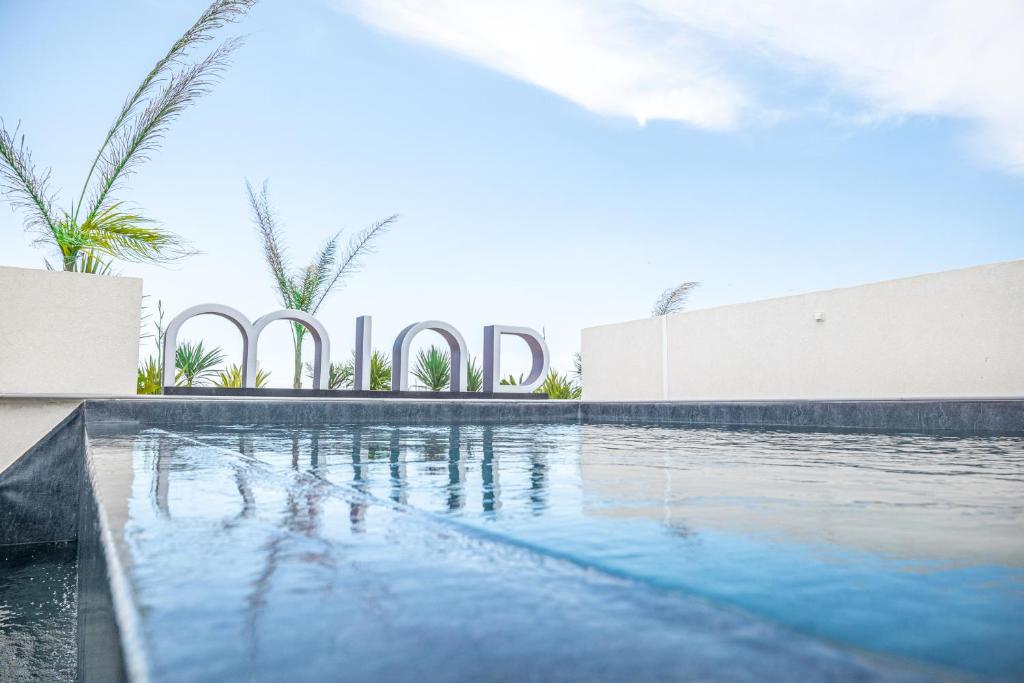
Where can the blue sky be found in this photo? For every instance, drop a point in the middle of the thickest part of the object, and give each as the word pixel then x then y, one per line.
pixel 554 164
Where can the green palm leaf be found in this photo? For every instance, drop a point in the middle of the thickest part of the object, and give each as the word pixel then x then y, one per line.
pixel 559 386
pixel 148 379
pixel 433 369
pixel 474 376
pixel 231 377
pixel 380 371
pixel 342 375
pixel 195 364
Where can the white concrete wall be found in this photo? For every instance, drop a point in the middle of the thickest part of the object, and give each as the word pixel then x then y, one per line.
pixel 958 333
pixel 68 333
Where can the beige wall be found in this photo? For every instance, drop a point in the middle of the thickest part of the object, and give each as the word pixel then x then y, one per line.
pixel 68 333
pixel 23 421
pixel 956 333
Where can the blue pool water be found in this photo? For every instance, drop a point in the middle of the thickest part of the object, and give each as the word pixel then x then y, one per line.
pixel 727 554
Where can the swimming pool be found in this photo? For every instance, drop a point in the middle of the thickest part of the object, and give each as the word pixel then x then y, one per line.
pixel 380 551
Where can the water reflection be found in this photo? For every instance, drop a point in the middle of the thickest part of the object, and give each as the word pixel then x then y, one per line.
pixel 396 468
pixel 161 482
pixel 915 497
pixel 456 472
pixel 905 496
pixel 490 476
pixel 443 469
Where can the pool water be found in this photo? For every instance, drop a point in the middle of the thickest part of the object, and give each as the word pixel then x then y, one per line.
pixel 38 612
pixel 723 554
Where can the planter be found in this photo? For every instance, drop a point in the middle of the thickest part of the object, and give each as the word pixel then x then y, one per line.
pixel 68 333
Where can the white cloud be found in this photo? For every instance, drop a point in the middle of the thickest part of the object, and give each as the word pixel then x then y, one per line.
pixel 690 60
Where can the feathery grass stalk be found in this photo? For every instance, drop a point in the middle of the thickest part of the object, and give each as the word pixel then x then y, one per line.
pixel 214 17
pixel 25 188
pixel 673 299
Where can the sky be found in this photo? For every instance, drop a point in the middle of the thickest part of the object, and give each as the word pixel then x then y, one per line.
pixel 554 163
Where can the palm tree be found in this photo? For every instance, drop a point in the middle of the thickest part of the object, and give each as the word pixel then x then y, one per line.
pixel 98 229
pixel 306 289
pixel 433 369
pixel 673 299
pixel 195 364
pixel 231 377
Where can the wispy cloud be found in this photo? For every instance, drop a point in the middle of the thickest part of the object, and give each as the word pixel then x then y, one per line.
pixel 704 63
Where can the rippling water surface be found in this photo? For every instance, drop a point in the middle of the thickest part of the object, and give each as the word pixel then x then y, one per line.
pixel 38 612
pixel 906 547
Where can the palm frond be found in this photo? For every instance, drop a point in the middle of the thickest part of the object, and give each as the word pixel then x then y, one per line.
pixel 474 375
pixel 24 187
pixel 380 371
pixel 273 248
pixel 559 386
pixel 195 364
pixel 340 375
pixel 219 13
pixel 433 369
pixel 359 246
pixel 131 237
pixel 136 139
pixel 148 377
pixel 673 299
pixel 231 377
pixel 90 262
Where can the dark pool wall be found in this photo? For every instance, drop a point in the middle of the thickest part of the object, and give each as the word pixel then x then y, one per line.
pixel 39 491
pixel 306 412
pixel 45 501
pixel 100 657
pixel 959 416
